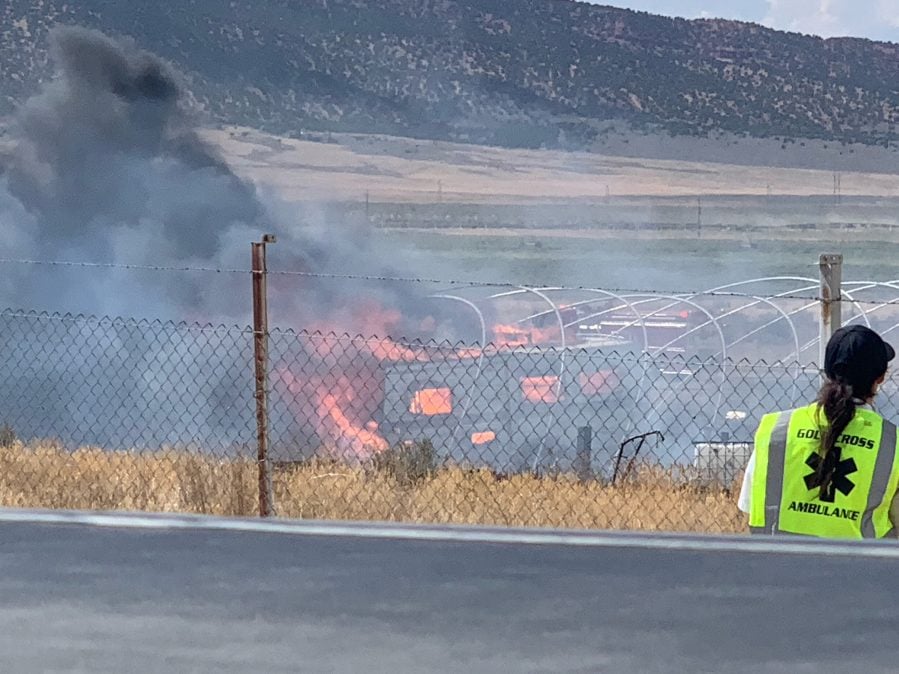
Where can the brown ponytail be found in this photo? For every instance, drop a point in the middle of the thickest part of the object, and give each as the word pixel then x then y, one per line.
pixel 838 404
pixel 855 363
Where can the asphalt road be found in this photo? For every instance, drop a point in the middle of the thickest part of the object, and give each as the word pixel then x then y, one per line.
pixel 115 598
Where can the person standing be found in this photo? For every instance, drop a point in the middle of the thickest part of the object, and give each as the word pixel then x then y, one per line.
pixel 830 469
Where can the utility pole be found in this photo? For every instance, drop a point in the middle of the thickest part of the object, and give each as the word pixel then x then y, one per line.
pixel 698 216
pixel 260 352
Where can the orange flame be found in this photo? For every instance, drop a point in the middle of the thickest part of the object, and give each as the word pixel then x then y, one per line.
pixel 381 348
pixel 339 413
pixel 516 336
pixel 540 389
pixel 483 437
pixel 344 389
pixel 432 402
pixel 338 393
pixel 370 319
pixel 353 440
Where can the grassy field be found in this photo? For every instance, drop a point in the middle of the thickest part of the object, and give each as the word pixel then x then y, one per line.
pixel 45 476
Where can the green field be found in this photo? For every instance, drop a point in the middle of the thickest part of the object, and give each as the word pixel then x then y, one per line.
pixel 684 263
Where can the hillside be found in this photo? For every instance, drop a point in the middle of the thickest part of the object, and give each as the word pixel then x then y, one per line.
pixel 523 74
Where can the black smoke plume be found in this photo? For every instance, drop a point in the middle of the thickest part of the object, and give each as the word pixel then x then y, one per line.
pixel 108 167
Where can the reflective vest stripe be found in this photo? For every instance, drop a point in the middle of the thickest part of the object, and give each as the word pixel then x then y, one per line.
pixel 881 479
pixel 774 484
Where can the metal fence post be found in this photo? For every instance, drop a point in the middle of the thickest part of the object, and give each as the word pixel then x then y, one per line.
pixel 831 271
pixel 583 461
pixel 260 351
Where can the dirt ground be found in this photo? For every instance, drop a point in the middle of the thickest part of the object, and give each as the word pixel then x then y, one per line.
pixel 345 167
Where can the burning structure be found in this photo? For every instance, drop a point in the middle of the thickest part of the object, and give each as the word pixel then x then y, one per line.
pixel 511 410
pixel 524 402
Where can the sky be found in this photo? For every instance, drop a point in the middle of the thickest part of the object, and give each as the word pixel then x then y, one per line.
pixel 874 19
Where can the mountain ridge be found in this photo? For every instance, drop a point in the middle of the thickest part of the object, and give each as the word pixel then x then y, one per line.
pixel 534 73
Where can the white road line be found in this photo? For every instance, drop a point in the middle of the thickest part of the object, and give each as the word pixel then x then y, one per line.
pixel 458 534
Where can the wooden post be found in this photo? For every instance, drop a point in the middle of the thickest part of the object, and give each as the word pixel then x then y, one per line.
pixel 831 271
pixel 260 351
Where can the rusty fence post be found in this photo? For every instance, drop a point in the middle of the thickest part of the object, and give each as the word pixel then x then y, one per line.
pixel 831 270
pixel 260 352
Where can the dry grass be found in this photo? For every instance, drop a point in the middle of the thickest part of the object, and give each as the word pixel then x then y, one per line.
pixel 415 171
pixel 45 476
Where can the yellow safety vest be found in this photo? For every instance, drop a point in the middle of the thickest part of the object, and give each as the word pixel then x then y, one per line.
pixel 785 493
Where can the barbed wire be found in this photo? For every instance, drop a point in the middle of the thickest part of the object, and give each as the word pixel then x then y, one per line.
pixel 120 321
pixel 117 265
pixel 422 280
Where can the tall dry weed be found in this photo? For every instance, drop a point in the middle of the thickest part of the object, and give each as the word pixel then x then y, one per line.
pixel 44 475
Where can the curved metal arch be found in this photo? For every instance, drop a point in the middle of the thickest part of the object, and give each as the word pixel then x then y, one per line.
pixel 559 383
pixel 641 318
pixel 757 300
pixel 650 299
pixel 676 300
pixel 554 307
pixel 817 339
pixel 727 287
pixel 470 305
pixel 764 279
pixel 789 316
pixel 851 292
pixel 480 363
pixel 641 383
pixel 624 303
pixel 598 291
pixel 857 304
pixel 811 305
pixel 738 284
pixel 784 294
pixel 868 285
pixel 692 296
pixel 894 285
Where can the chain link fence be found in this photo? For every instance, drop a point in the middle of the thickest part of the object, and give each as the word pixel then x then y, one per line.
pixel 119 414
